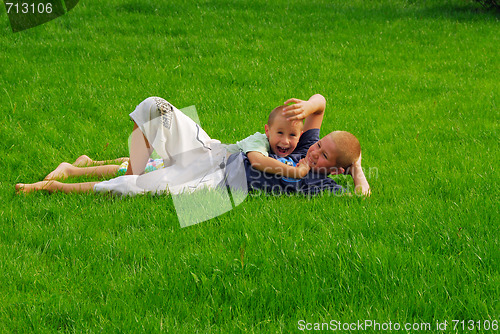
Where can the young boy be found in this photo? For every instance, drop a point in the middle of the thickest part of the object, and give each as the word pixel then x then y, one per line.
pixel 280 139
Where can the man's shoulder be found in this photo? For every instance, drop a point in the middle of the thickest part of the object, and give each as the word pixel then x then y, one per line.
pixel 308 136
pixel 307 139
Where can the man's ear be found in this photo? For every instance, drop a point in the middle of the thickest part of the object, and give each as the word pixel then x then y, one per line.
pixel 336 170
pixel 266 128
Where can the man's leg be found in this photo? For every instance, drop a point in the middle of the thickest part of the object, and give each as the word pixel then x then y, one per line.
pixel 140 151
pixel 86 161
pixel 52 186
pixel 65 170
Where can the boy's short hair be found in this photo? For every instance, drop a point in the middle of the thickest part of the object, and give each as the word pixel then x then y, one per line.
pixel 348 148
pixel 277 112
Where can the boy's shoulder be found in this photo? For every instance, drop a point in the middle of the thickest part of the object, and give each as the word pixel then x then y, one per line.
pixel 257 136
pixel 256 142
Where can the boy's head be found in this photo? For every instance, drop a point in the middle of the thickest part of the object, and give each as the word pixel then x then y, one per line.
pixel 338 149
pixel 283 135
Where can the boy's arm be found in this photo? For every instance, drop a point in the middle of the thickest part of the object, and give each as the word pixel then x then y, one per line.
pixel 311 110
pixel 273 166
pixel 361 185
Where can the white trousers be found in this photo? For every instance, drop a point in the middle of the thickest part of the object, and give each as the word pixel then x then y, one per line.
pixel 193 160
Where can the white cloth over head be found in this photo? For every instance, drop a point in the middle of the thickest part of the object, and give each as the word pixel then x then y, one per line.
pixel 193 160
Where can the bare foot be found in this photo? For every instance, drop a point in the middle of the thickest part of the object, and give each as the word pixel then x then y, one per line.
pixel 27 188
pixel 83 161
pixel 60 173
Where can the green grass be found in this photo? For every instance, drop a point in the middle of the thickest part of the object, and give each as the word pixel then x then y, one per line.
pixel 416 81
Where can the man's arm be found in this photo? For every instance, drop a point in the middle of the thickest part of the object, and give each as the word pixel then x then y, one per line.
pixel 273 166
pixel 311 110
pixel 361 185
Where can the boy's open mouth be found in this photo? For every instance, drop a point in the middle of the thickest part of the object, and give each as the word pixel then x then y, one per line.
pixel 281 150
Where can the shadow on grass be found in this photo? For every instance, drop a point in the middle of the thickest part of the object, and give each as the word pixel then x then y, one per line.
pixel 454 12
pixel 462 11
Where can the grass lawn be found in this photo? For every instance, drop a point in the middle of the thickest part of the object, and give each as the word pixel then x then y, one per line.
pixel 416 81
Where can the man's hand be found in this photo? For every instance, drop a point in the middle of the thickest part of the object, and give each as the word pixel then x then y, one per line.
pixel 361 185
pixel 355 166
pixel 358 162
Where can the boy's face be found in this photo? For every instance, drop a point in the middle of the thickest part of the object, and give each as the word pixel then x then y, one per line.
pixel 322 155
pixel 283 135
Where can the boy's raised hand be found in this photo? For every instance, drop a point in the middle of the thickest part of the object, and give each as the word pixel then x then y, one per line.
pixel 300 109
pixel 311 110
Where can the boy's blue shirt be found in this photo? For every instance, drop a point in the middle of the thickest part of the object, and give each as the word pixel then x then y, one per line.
pixel 311 184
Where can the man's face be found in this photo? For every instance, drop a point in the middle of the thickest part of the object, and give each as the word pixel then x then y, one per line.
pixel 283 135
pixel 322 156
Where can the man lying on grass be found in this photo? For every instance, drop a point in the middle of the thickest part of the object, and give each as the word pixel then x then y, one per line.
pixel 192 160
